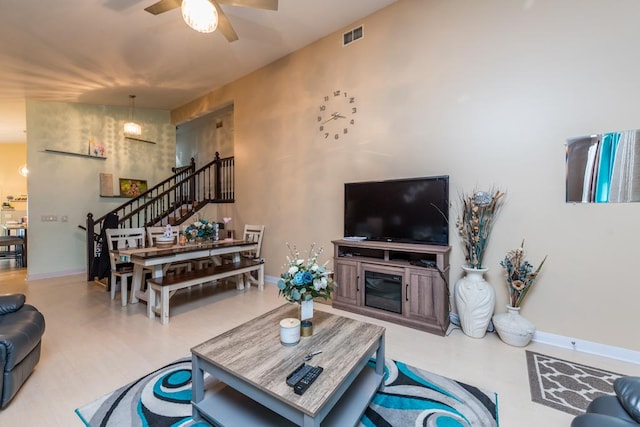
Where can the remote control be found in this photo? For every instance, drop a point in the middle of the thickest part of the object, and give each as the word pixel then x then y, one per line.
pixel 302 385
pixel 298 374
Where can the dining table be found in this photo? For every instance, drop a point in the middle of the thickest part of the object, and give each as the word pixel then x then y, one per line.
pixel 155 259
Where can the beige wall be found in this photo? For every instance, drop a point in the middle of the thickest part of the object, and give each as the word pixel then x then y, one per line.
pixel 484 91
pixel 64 185
pixel 205 136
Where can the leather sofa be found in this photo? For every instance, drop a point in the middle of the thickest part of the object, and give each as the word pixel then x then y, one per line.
pixel 21 330
pixel 621 410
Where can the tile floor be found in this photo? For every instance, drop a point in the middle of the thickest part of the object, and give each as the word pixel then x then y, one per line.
pixel 92 345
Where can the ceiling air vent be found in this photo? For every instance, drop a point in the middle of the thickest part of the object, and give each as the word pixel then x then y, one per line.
pixel 352 36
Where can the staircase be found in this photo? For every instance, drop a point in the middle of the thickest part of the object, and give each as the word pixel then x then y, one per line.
pixel 172 201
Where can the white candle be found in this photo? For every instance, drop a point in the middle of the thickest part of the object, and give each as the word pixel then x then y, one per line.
pixel 289 331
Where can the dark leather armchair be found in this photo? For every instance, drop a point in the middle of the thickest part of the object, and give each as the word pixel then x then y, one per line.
pixel 21 330
pixel 621 410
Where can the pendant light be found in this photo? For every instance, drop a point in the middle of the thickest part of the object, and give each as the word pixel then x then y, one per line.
pixel 132 128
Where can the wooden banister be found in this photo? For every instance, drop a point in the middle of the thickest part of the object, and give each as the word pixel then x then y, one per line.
pixel 172 201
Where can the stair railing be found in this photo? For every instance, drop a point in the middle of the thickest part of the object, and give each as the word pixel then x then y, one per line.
pixel 171 201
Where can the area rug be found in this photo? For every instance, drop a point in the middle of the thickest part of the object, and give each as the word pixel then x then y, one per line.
pixel 410 397
pixel 564 385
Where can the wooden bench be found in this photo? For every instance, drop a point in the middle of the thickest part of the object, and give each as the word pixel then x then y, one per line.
pixel 168 285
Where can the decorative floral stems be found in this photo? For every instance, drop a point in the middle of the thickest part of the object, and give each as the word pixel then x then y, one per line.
pixel 519 274
pixel 479 211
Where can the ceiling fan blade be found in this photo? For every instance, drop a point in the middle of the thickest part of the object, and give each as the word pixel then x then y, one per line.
pixel 163 6
pixel 224 25
pixel 258 4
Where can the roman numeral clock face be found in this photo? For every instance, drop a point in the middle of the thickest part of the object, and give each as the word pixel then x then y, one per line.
pixel 337 115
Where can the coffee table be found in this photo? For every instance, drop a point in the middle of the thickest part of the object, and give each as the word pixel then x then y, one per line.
pixel 249 366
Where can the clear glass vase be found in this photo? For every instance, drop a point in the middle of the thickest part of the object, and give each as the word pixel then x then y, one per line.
pixel 306 318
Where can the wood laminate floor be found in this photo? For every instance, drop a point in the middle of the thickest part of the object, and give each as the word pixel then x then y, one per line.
pixel 92 346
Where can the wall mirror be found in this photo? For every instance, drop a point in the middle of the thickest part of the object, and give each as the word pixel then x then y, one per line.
pixel 603 168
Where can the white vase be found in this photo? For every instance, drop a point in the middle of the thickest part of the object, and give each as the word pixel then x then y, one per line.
pixel 512 328
pixel 475 301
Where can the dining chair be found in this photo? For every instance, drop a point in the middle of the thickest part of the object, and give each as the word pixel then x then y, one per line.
pixel 205 262
pixel 157 231
pixel 122 238
pixel 252 233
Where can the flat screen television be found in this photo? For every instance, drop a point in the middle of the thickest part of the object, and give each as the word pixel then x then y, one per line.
pixel 414 210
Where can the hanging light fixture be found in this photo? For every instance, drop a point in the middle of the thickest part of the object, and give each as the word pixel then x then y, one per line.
pixel 131 127
pixel 201 15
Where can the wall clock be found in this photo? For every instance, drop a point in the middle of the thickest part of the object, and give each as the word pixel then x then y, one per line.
pixel 337 115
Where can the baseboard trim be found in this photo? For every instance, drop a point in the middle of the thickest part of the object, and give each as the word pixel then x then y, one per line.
pixel 271 280
pixel 590 347
pixel 54 274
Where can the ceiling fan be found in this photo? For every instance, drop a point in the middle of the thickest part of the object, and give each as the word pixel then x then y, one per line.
pixel 215 14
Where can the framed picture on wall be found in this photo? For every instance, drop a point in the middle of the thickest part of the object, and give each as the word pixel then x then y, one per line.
pixel 132 187
pixel 96 148
pixel 106 185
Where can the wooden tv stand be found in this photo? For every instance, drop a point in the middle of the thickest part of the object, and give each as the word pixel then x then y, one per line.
pixel 417 276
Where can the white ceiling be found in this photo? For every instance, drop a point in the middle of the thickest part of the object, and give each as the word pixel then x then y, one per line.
pixel 100 51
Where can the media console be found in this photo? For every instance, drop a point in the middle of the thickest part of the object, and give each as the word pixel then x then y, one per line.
pixel 398 282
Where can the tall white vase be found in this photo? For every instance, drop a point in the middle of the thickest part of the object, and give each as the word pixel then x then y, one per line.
pixel 475 300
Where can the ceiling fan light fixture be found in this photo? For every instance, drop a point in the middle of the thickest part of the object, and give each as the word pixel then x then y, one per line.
pixel 201 15
pixel 132 128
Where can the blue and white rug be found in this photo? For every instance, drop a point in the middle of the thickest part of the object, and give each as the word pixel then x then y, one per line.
pixel 410 397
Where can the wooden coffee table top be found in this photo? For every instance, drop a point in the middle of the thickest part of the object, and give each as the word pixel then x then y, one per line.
pixel 252 352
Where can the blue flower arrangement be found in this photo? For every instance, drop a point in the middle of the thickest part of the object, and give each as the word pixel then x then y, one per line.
pixel 201 228
pixel 305 279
